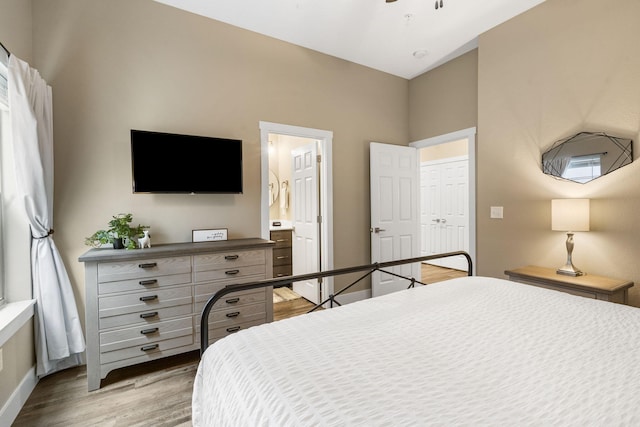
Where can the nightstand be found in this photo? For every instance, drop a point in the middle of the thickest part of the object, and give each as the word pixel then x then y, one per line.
pixel 589 285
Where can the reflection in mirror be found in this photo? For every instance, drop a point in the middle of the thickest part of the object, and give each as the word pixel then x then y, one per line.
pixel 274 187
pixel 586 156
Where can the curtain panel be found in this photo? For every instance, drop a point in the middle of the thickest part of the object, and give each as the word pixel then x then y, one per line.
pixel 59 340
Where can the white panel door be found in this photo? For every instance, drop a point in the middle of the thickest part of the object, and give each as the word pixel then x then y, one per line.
pixel 304 196
pixel 445 210
pixel 394 214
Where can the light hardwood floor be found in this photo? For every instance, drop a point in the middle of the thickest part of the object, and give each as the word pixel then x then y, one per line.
pixel 156 393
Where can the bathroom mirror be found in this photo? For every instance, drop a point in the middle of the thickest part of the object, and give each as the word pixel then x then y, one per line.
pixel 274 187
pixel 586 156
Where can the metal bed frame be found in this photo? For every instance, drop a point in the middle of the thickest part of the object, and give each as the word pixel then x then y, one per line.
pixel 284 281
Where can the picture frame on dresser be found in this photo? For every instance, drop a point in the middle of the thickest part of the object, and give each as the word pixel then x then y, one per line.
pixel 143 305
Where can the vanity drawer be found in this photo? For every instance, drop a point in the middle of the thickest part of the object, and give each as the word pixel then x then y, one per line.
pixel 282 238
pixel 228 260
pixel 235 299
pixel 142 284
pixel 145 334
pixel 282 270
pixel 281 257
pixel 143 268
pixel 151 351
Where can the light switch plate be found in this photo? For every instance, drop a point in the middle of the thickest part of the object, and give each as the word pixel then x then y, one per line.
pixel 497 212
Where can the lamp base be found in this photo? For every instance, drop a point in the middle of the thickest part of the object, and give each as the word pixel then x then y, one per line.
pixel 569 270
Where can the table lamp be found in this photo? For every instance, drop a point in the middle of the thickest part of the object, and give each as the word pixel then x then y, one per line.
pixel 569 215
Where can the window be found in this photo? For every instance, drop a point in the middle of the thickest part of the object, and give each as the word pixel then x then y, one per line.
pixel 583 168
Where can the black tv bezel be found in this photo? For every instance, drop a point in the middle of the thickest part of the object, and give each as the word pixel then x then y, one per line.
pixel 183 138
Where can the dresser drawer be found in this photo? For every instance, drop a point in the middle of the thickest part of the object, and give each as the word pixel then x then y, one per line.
pixel 281 256
pixel 151 351
pixel 232 274
pixel 148 317
pixel 228 260
pixel 143 269
pixel 282 238
pixel 218 333
pixel 235 315
pixel 143 301
pixel 145 334
pixel 235 299
pixel 142 284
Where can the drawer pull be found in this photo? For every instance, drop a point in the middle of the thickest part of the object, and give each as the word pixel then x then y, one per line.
pixel 282 257
pixel 148 265
pixel 231 272
pixel 282 240
pixel 148 282
pixel 231 257
pixel 232 300
pixel 234 329
pixel 149 347
pixel 149 298
pixel 234 314
pixel 149 315
pixel 280 275
pixel 149 331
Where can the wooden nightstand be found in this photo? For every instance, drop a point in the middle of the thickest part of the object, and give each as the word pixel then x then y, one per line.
pixel 589 285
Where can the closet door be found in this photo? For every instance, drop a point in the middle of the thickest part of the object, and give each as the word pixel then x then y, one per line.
pixel 445 210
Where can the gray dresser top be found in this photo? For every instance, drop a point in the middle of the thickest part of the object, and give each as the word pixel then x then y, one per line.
pixel 172 249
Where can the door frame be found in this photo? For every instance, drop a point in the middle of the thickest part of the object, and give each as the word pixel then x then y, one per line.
pixel 325 139
pixel 470 135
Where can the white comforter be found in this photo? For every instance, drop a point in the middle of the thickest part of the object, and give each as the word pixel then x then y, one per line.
pixel 471 351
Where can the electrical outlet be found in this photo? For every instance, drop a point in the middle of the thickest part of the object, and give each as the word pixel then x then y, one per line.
pixel 1 364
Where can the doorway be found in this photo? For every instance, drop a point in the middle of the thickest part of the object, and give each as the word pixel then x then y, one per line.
pixel 447 196
pixel 297 199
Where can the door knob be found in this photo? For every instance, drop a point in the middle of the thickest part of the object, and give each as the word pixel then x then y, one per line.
pixel 377 230
pixel 436 220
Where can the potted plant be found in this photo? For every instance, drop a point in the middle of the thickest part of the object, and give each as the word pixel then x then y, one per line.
pixel 120 233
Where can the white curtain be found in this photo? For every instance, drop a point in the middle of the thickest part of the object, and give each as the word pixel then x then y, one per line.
pixel 59 339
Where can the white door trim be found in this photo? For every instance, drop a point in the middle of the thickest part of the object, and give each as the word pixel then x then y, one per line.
pixel 470 135
pixel 326 188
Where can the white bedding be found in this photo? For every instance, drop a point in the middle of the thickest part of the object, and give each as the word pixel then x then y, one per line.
pixel 470 351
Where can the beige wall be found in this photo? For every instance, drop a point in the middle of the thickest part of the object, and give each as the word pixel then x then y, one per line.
pixel 562 67
pixel 121 64
pixel 445 99
pixel 445 151
pixel 18 358
pixel 18 352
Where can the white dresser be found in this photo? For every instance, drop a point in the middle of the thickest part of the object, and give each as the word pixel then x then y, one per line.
pixel 145 304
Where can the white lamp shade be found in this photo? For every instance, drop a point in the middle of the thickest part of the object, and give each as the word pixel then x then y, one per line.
pixel 570 214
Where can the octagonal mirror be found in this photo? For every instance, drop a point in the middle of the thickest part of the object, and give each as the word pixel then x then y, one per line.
pixel 586 156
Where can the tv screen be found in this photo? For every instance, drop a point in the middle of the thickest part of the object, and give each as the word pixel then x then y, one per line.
pixel 172 163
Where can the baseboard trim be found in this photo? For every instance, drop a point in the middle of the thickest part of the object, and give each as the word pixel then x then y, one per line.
pixel 18 398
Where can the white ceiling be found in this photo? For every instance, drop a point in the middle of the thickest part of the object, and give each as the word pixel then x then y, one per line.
pixel 385 36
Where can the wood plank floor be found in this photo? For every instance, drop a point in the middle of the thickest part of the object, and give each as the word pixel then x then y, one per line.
pixel 156 393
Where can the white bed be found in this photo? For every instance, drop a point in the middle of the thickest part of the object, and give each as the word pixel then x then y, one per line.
pixel 469 351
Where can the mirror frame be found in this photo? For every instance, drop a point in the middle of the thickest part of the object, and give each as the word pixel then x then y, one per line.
pixel 557 159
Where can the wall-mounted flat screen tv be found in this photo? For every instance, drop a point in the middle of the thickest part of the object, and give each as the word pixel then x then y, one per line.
pixel 173 163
